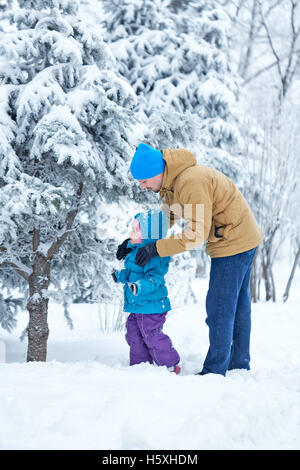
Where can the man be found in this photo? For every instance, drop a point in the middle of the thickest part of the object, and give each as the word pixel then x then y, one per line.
pixel 214 211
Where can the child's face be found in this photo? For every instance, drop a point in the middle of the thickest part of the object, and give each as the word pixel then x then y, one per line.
pixel 135 234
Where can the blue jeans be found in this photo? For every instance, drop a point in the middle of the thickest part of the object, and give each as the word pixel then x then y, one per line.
pixel 228 307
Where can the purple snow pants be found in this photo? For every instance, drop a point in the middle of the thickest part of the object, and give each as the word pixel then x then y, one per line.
pixel 147 341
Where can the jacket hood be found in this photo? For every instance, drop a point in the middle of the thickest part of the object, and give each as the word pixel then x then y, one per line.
pixel 177 160
pixel 154 226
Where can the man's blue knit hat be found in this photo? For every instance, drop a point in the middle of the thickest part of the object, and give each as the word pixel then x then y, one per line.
pixel 146 162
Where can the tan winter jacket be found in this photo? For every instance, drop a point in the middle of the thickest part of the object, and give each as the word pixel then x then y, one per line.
pixel 205 198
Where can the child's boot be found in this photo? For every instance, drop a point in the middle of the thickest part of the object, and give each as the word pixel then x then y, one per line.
pixel 176 369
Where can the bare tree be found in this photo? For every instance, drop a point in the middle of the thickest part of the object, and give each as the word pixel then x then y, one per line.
pixel 269 47
pixel 291 277
pixel 273 169
pixel 255 30
pixel 245 61
pixel 294 229
pixel 288 65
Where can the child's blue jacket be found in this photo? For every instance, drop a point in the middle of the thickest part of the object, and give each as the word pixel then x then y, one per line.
pixel 152 292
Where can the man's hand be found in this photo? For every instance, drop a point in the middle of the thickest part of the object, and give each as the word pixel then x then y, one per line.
pixel 122 250
pixel 114 275
pixel 145 253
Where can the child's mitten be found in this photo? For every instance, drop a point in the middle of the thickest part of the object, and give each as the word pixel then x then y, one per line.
pixel 123 251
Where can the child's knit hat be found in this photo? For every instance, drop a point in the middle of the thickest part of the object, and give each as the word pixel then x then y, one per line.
pixel 154 224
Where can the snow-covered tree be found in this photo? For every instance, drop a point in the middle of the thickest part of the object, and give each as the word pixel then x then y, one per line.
pixel 272 189
pixel 173 67
pixel 65 120
pixel 178 65
pixel 178 5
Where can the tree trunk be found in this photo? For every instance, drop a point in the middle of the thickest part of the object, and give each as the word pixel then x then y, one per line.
pixel 266 262
pixel 37 306
pixel 269 282
pixel 288 286
pixel 270 270
pixel 267 272
pixel 39 281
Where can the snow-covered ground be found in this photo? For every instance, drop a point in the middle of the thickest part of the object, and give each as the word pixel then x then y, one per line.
pixel 87 397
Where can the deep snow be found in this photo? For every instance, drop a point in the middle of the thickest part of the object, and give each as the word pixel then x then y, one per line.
pixel 87 397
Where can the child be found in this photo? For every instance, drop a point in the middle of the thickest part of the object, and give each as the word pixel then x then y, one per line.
pixel 146 295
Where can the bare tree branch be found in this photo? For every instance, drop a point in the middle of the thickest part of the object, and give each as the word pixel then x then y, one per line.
pixel 267 13
pixel 297 65
pixel 239 6
pixel 289 73
pixel 17 268
pixel 250 41
pixel 270 41
pixel 268 67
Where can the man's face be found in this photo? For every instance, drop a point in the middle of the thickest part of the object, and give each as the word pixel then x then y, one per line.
pixel 153 184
